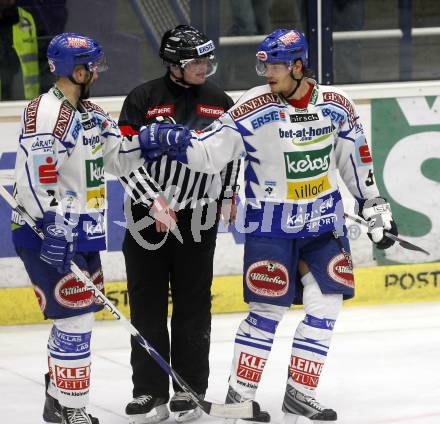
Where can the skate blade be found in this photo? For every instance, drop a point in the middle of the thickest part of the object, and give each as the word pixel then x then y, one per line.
pixel 186 416
pixel 243 421
pixel 323 422
pixel 292 419
pixel 156 415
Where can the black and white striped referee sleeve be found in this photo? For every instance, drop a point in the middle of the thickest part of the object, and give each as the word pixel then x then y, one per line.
pixel 229 176
pixel 140 186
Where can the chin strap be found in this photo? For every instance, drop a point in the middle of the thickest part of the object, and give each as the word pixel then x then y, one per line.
pixel 182 79
pixel 82 85
pixel 298 83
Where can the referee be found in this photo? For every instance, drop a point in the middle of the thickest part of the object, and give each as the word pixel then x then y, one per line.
pixel 190 198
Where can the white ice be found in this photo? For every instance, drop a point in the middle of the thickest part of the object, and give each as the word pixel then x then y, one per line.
pixel 383 367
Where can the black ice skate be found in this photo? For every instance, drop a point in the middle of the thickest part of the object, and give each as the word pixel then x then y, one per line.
pixel 77 416
pixel 52 408
pixel 147 409
pixel 184 409
pixel 52 412
pixel 298 403
pixel 235 397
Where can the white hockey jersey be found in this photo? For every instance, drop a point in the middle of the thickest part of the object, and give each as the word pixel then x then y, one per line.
pixel 61 158
pixel 291 159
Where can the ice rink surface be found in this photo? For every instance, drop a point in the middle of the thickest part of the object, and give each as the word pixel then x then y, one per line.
pixel 383 367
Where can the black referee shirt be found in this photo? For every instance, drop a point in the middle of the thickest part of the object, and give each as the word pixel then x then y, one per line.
pixel 195 107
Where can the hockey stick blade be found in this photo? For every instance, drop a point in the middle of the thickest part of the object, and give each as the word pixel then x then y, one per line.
pixel 404 243
pixel 248 409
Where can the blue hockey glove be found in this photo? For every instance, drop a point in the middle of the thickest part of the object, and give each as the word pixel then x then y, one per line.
pixel 377 213
pixel 157 139
pixel 59 244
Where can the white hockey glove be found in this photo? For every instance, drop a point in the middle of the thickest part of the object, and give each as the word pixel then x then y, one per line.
pixel 377 213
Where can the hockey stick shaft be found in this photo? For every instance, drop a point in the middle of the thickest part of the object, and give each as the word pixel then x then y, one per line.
pixel 404 243
pixel 243 410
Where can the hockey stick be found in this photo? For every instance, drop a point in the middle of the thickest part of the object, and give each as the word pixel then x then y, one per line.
pixel 248 409
pixel 405 244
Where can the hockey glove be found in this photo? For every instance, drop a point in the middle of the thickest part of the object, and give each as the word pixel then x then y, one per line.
pixel 59 244
pixel 157 139
pixel 377 213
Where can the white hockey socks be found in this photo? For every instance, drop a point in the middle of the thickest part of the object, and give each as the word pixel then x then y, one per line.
pixel 253 343
pixel 69 360
pixel 312 337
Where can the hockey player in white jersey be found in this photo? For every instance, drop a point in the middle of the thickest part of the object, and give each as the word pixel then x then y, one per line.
pixel 294 135
pixel 66 143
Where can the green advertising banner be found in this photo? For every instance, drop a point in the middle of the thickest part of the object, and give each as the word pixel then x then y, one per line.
pixel 406 148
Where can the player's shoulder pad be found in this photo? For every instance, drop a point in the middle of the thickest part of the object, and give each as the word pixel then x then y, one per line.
pixel 93 107
pixel 31 113
pixel 331 95
pixel 253 99
pixel 47 114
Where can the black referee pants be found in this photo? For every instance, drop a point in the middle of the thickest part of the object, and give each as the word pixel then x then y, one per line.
pixel 188 270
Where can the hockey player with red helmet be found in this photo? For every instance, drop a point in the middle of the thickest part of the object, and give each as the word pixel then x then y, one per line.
pixel 295 135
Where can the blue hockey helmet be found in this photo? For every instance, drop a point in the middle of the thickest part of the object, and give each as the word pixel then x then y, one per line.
pixel 282 46
pixel 68 50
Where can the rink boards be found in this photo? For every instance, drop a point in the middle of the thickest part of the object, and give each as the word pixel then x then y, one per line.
pixel 374 285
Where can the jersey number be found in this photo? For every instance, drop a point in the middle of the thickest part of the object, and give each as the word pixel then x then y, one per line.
pixel 370 179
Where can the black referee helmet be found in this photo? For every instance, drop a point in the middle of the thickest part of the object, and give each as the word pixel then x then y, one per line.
pixel 184 43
